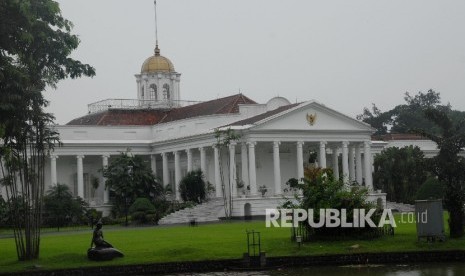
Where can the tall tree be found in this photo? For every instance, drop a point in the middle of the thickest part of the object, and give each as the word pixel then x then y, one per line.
pixel 404 117
pixel 448 166
pixel 35 44
pixel 224 139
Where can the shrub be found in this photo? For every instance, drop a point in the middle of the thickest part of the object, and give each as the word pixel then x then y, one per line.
pixel 431 188
pixel 140 209
pixel 321 191
pixel 193 187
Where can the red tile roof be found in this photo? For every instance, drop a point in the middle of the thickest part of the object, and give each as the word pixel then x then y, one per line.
pixel 397 136
pixel 114 117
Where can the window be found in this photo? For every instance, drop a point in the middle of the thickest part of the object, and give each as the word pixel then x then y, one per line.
pixel 166 92
pixel 142 92
pixel 153 92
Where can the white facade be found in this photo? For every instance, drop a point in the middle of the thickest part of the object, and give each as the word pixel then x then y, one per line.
pixel 269 152
pixel 275 142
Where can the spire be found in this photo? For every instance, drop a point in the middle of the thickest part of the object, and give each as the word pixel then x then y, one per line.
pixel 157 50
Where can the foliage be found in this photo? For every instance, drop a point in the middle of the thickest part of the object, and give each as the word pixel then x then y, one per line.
pixel 404 117
pixel 129 177
pixel 3 212
pixel 142 211
pixel 61 208
pixel 400 172
pixel 224 139
pixel 448 166
pixel 321 191
pixel 432 188
pixel 193 187
pixel 35 45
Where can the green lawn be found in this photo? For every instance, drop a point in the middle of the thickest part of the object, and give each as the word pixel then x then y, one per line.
pixel 212 241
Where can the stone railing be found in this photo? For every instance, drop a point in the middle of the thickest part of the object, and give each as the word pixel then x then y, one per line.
pixel 135 104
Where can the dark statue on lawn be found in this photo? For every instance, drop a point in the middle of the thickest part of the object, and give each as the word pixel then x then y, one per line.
pixel 103 251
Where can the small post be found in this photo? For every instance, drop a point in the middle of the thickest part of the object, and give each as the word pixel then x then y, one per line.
pixel 298 239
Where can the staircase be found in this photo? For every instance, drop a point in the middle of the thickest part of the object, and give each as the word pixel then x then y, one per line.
pixel 205 212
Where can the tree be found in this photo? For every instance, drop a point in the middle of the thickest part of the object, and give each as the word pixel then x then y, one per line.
pixel 404 117
pixel 60 207
pixel 224 138
pixel 400 172
pixel 448 166
pixel 129 177
pixel 35 45
pixel 193 187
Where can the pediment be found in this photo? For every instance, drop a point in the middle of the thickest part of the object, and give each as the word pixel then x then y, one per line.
pixel 311 116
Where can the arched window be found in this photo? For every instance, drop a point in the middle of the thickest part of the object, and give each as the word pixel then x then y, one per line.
pixel 166 91
pixel 153 92
pixel 142 92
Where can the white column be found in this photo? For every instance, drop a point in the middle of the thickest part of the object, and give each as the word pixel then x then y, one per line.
pixel 218 185
pixel 358 165
pixel 166 175
pixel 232 168
pixel 277 168
pixel 80 176
pixel 177 174
pixel 351 164
pixel 53 170
pixel 252 169
pixel 300 160
pixel 322 155
pixel 203 161
pixel 368 166
pixel 244 165
pixel 345 162
pixel 189 160
pixel 153 163
pixel 335 163
pixel 106 191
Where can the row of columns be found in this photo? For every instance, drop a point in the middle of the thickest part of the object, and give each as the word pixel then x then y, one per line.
pixel 351 166
pixel 351 162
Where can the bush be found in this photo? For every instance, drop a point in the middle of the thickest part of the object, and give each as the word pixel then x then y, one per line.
pixel 430 189
pixel 140 209
pixel 141 204
pixel 321 191
pixel 193 187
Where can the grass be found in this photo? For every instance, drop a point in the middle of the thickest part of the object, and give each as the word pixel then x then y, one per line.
pixel 206 242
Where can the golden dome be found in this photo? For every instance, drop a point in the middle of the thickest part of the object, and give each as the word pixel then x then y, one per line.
pixel 157 63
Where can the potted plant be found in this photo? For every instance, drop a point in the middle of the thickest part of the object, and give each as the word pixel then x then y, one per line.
pixel 263 189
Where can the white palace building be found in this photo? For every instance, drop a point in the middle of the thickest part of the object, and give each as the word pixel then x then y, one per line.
pixel 177 136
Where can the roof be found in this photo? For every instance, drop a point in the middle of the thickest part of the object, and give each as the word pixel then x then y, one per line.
pixel 257 118
pixel 226 105
pixel 398 136
pixel 157 63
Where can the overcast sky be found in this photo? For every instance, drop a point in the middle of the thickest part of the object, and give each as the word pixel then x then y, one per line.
pixel 344 54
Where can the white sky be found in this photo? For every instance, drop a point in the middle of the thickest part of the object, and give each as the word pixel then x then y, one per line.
pixel 344 54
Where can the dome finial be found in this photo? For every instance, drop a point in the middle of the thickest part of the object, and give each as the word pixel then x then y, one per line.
pixel 157 50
